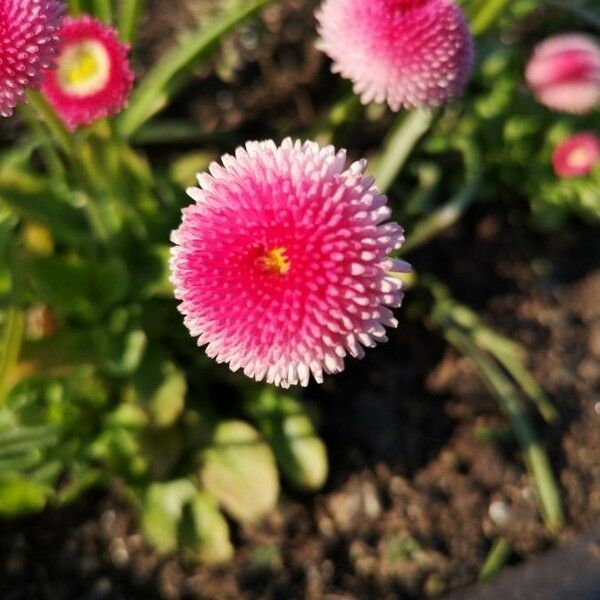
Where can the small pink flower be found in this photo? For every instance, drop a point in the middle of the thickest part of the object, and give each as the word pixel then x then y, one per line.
pixel 564 73
pixel 577 155
pixel 282 263
pixel 93 79
pixel 410 53
pixel 28 43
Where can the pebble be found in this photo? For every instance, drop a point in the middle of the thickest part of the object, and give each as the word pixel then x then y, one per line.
pixel 499 512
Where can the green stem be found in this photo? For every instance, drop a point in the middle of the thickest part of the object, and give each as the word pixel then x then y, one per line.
pixel 51 158
pixel 448 214
pixel 79 162
pixel 103 10
pixel 74 7
pixel 485 17
pixel 508 353
pixel 12 339
pixel 442 218
pixel 128 19
pixel 95 219
pixel 398 146
pixel 496 559
pixel 528 384
pixel 508 399
pixel 55 125
pixel 14 327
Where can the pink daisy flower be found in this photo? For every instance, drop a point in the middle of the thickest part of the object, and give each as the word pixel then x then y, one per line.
pixel 410 53
pixel 564 73
pixel 282 263
pixel 28 43
pixel 577 155
pixel 93 78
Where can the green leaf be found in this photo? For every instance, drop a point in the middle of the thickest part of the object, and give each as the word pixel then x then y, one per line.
pixel 162 510
pixel 161 387
pixel 35 198
pixel 204 532
pixel 168 401
pixel 20 495
pixel 123 353
pixel 79 287
pixel 301 454
pixel 240 471
pixel 110 282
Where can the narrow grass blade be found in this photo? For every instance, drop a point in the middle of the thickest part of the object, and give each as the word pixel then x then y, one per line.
pixel 509 401
pixel 495 561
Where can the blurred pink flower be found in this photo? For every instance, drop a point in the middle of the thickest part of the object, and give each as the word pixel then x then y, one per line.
pixel 282 263
pixel 410 53
pixel 564 73
pixel 28 43
pixel 93 79
pixel 577 155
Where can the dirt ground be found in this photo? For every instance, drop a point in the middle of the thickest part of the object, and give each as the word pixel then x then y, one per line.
pixel 416 497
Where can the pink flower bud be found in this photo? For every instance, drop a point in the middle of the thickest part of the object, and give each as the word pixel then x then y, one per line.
pixel 577 155
pixel 564 73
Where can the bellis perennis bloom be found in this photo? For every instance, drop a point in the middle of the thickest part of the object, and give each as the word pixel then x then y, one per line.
pixel 28 43
pixel 410 53
pixel 577 155
pixel 564 73
pixel 282 263
pixel 93 79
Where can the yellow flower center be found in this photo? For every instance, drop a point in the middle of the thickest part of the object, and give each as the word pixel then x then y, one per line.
pixel 579 158
pixel 276 261
pixel 83 68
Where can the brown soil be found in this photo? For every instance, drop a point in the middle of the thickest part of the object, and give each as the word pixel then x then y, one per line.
pixel 415 499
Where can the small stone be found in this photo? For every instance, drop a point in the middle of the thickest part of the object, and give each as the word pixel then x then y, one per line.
pixel 499 512
pixel 118 552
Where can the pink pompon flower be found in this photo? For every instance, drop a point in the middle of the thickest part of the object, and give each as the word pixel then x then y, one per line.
pixel 564 73
pixel 577 155
pixel 93 79
pixel 28 43
pixel 408 53
pixel 282 263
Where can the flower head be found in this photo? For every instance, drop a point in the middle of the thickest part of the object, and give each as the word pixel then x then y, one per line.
pixel 410 53
pixel 282 265
pixel 93 78
pixel 577 155
pixel 564 73
pixel 28 43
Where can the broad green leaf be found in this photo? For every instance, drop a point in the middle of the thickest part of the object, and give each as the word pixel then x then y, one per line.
pixel 20 495
pixel 240 471
pixel 204 532
pixel 123 353
pixel 285 423
pixel 161 387
pixel 162 510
